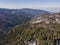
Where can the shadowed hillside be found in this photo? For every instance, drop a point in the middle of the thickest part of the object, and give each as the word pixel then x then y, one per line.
pixel 12 17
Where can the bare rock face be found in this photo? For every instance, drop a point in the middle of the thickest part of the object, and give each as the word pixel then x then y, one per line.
pixel 51 18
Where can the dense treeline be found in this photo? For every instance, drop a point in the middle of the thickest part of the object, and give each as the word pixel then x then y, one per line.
pixel 25 32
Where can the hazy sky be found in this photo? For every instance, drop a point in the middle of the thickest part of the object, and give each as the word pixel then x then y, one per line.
pixel 51 5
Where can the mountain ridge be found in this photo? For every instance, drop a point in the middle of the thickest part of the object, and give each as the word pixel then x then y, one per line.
pixel 9 15
pixel 13 17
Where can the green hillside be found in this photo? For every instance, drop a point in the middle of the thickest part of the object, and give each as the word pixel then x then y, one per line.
pixel 43 35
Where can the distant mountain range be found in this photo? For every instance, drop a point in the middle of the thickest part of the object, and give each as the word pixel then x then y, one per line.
pixel 12 17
